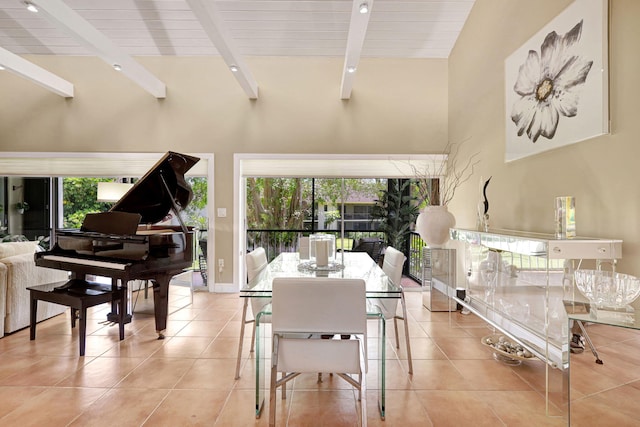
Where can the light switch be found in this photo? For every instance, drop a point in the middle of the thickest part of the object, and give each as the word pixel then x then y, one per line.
pixel 222 212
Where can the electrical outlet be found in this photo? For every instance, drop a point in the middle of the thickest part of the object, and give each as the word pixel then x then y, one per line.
pixel 220 262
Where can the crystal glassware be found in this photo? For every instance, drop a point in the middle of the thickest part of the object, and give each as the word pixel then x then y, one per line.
pixel 607 289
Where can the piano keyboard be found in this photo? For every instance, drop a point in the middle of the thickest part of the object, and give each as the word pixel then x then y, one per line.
pixel 91 262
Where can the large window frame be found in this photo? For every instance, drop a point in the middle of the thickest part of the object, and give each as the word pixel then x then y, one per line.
pixel 318 166
pixel 74 164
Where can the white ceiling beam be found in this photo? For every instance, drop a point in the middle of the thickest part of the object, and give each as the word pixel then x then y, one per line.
pixel 207 13
pixel 355 41
pixel 65 18
pixel 30 71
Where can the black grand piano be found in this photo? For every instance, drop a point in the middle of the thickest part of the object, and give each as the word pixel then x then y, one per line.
pixel 126 243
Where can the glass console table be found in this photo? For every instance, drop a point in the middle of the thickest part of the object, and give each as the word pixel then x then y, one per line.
pixel 516 281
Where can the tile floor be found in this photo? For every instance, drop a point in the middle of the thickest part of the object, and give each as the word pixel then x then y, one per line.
pixel 188 378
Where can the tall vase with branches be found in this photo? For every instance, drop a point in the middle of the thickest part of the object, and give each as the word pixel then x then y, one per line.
pixel 437 185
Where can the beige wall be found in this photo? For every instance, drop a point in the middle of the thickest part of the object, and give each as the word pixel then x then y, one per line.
pixel 397 106
pixel 602 173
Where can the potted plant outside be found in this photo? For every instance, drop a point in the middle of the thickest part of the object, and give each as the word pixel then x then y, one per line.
pixel 22 206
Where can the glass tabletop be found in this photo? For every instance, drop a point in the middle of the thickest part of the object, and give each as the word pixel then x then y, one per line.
pixel 352 265
pixel 581 309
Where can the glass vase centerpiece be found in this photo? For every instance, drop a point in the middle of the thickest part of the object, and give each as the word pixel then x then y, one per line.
pixel 322 253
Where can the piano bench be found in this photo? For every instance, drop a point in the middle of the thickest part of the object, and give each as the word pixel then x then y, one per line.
pixel 78 295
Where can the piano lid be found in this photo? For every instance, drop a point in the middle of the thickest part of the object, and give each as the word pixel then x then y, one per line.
pixel 162 188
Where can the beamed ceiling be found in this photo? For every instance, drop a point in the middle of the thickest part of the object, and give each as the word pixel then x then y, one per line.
pixel 117 31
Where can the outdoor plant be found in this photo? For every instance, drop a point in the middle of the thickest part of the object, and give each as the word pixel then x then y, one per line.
pixel 22 206
pixel 395 212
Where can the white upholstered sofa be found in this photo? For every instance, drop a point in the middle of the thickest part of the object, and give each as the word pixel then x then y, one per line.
pixel 17 272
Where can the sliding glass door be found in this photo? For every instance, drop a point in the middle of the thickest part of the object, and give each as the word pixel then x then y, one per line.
pixel 279 210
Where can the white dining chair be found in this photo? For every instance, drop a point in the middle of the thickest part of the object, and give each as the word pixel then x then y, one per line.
pixel 256 262
pixel 304 309
pixel 392 266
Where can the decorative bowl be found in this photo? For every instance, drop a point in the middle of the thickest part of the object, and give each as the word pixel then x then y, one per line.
pixel 607 288
pixel 505 350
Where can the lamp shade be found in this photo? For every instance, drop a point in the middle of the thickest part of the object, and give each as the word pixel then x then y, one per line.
pixel 112 191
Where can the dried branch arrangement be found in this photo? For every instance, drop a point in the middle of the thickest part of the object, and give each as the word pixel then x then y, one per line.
pixel 452 173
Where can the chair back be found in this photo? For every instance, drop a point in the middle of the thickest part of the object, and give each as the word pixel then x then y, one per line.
pixel 256 262
pixel 304 310
pixel 393 263
pixel 371 245
pixel 392 267
pixel 322 305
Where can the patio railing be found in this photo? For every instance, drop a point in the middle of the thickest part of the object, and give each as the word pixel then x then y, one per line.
pixel 276 241
pixel 414 258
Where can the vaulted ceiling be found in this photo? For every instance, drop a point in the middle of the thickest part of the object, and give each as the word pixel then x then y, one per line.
pixel 119 30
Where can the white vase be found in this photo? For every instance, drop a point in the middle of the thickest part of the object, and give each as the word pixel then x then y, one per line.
pixel 433 224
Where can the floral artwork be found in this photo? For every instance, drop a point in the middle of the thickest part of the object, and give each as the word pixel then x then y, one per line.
pixel 548 85
pixel 557 95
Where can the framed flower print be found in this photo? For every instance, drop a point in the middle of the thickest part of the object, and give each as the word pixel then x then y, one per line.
pixel 557 82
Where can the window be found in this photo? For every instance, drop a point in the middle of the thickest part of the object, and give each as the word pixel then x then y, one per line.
pixel 279 210
pixel 79 196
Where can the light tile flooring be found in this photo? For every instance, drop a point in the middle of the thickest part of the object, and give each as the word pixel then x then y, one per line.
pixel 188 378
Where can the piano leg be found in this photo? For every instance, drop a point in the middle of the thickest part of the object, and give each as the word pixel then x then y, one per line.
pixel 161 302
pixel 116 309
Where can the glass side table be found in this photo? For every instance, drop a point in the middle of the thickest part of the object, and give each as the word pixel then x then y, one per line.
pixel 581 310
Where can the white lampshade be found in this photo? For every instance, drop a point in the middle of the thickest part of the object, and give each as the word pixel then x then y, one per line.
pixel 112 191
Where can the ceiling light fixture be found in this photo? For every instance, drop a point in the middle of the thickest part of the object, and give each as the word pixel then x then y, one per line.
pixel 351 69
pixel 364 8
pixel 31 7
pixel 117 67
pixel 233 68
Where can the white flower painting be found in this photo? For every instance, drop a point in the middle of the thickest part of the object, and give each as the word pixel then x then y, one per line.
pixel 549 85
pixel 556 83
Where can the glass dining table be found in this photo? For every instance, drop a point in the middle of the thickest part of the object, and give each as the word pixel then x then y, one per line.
pixel 348 265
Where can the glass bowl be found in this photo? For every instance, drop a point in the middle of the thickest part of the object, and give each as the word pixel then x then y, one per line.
pixel 606 288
